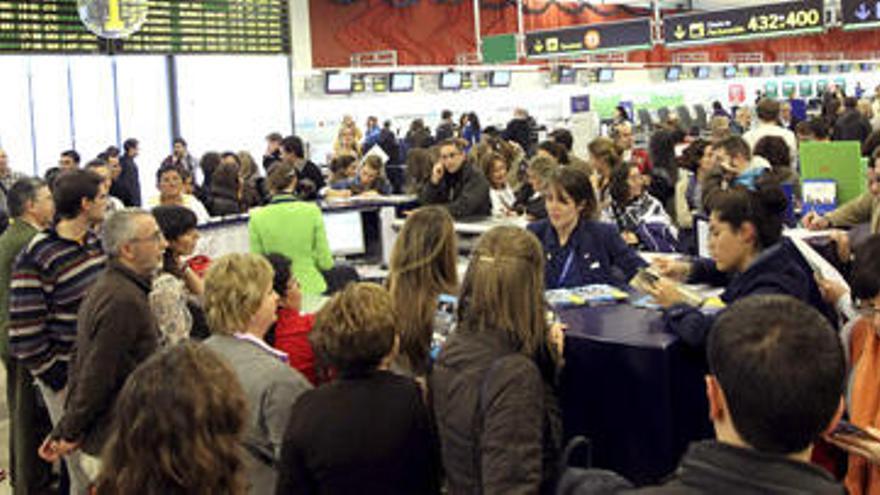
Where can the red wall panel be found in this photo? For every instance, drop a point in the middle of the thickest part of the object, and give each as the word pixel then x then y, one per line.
pixel 432 33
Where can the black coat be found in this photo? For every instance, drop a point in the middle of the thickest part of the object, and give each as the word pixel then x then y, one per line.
pixel 464 193
pixel 497 416
pixel 519 131
pixel 714 468
pixel 222 201
pixel 310 181
pixel 368 434
pixel 127 187
pixel 851 126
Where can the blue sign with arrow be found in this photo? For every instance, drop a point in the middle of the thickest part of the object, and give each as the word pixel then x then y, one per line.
pixel 860 14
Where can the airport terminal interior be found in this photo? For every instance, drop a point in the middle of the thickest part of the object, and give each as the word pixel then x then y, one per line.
pixel 424 247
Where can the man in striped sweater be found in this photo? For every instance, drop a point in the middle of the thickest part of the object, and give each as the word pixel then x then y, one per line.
pixel 51 278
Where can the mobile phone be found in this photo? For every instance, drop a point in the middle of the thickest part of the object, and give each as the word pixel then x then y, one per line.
pixel 444 317
pixel 847 428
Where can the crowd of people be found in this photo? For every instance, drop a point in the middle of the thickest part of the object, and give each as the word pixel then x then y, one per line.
pixel 141 372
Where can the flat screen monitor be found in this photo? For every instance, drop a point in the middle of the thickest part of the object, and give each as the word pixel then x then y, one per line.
pixel 756 71
pixel 701 73
pixel 824 69
pixel 673 73
pixel 345 232
pixel 729 72
pixel 450 80
pixel 779 70
pixel 402 81
pixel 606 75
pixel 844 68
pixel 337 83
pixel 866 67
pixel 804 70
pixel 499 79
pixel 566 75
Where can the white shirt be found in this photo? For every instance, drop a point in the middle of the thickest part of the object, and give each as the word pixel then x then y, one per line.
pixel 502 200
pixel 764 129
pixel 190 202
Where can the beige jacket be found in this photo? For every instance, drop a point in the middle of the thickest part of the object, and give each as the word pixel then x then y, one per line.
pixel 865 208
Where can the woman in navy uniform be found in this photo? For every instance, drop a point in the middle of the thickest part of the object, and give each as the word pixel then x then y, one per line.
pixel 580 250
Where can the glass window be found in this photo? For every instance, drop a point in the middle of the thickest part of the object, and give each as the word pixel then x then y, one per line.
pixel 232 103
pixel 15 126
pixel 51 109
pixel 94 114
pixel 142 85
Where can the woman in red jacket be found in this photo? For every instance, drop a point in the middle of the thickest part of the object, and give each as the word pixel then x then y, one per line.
pixel 291 331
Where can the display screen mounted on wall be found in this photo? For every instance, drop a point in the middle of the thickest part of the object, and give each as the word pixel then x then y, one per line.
pixel 337 83
pixel 759 21
pixel 606 75
pixel 730 72
pixel 402 81
pixel 618 36
pixel 859 14
pixel 499 78
pixel 673 73
pixel 450 80
pixel 701 73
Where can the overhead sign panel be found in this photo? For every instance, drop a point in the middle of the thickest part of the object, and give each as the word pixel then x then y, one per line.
pixel 760 21
pixel 592 38
pixel 859 14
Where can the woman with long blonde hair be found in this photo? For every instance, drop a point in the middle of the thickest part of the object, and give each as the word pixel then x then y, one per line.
pixel 423 266
pixel 494 384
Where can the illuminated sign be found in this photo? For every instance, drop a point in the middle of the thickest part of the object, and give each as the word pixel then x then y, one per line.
pixel 765 20
pixel 859 14
pixel 171 26
pixel 607 36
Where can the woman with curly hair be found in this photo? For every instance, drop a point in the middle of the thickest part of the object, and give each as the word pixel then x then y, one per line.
pixel 180 439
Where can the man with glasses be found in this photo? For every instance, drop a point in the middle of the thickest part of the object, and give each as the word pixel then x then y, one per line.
pixel 116 331
pixel 865 208
pixel 49 281
pixel 457 184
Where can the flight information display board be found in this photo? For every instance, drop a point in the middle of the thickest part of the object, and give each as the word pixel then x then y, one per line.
pixel 760 21
pixel 858 14
pixel 172 26
pixel 598 37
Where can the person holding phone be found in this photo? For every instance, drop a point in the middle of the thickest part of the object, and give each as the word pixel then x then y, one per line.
pixel 457 184
pixel 749 257
pixel 493 387
pixel 863 345
pixel 580 250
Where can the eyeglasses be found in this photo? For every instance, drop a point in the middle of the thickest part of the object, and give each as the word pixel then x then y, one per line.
pixel 155 237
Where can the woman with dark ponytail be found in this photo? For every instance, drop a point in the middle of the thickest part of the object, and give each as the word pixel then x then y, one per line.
pixel 749 257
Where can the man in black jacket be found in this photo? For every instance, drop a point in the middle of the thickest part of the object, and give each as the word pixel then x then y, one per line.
pixel 457 184
pixel 127 187
pixel 519 130
pixel 116 331
pixel 852 125
pixel 309 178
pixel 446 127
pixel 766 403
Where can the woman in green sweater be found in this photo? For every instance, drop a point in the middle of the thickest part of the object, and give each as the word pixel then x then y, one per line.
pixel 293 228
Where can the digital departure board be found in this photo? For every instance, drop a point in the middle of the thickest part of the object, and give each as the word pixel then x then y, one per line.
pixel 172 26
pixel 859 14
pixel 591 38
pixel 762 20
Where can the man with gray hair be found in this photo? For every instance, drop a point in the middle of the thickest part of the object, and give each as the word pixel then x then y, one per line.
pixel 116 331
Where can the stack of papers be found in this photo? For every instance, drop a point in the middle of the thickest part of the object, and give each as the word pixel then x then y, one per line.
pixel 593 295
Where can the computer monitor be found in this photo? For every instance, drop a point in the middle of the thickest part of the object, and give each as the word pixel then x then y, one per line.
pixel 566 75
pixel 606 75
pixel 499 79
pixel 804 70
pixel 730 72
pixel 673 74
pixel 402 82
pixel 779 70
pixel 450 80
pixel 345 232
pixel 701 73
pixel 337 83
